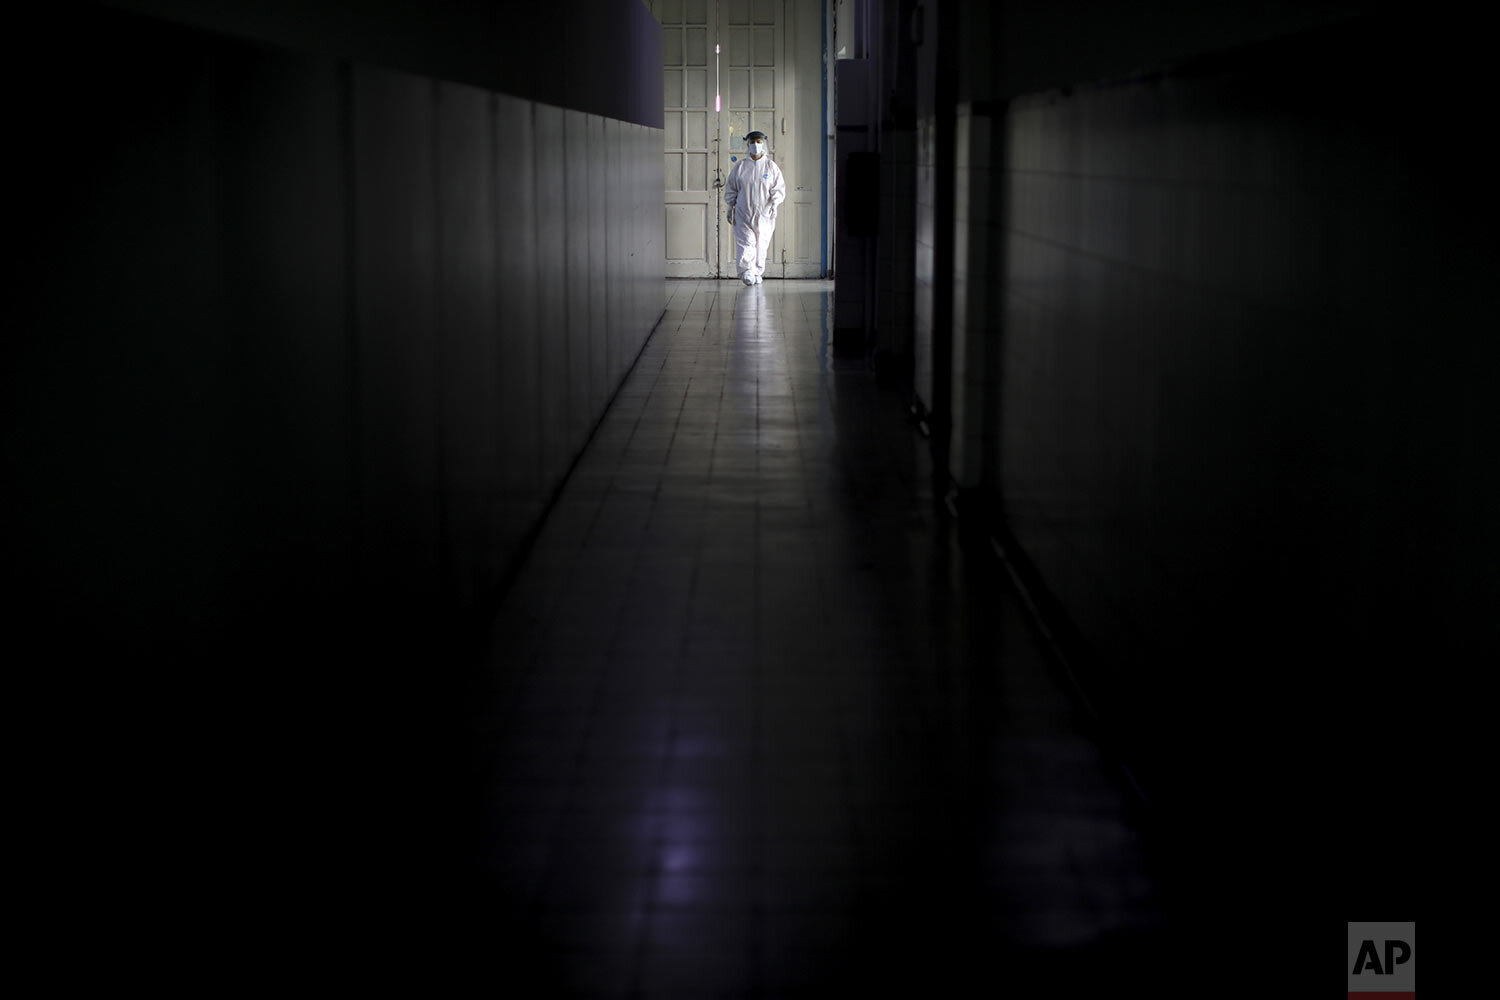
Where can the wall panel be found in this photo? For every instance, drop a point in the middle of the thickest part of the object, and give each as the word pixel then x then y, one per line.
pixel 548 196
pixel 581 411
pixel 520 402
pixel 396 314
pixel 473 444
pixel 600 385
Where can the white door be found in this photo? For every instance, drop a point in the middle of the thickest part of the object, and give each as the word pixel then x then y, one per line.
pixel 691 134
pixel 725 75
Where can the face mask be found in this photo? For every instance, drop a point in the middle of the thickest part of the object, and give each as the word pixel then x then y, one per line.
pixel 757 148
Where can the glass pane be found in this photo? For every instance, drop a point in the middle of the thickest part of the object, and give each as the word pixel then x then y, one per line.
pixel 671 46
pixel 672 88
pixel 738 123
pixel 697 46
pixel 697 130
pixel 697 89
pixel 765 46
pixel 765 89
pixel 697 172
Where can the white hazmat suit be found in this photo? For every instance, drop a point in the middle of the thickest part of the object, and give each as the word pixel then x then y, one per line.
pixel 754 189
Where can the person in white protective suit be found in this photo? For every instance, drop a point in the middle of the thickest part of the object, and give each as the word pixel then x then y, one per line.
pixel 754 190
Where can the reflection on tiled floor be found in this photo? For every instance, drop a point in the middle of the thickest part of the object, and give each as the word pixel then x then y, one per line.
pixel 756 727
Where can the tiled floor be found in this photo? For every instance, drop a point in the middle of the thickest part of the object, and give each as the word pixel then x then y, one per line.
pixel 757 727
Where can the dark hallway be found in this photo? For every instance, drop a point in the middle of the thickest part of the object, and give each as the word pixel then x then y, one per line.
pixel 1082 583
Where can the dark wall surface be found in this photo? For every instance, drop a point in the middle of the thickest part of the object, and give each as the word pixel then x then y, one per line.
pixel 304 347
pixel 1018 47
pixel 1220 371
pixel 591 55
pixel 1239 389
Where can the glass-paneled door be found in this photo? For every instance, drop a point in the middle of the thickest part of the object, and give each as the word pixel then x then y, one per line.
pixel 722 78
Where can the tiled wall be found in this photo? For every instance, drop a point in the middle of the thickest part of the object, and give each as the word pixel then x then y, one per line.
pixel 317 339
pixel 1216 359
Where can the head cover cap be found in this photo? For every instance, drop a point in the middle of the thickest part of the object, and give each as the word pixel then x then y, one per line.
pixel 754 136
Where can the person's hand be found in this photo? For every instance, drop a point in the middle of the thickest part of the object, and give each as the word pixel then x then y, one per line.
pixel 731 216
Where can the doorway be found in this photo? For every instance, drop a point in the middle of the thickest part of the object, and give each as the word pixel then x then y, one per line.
pixel 730 67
